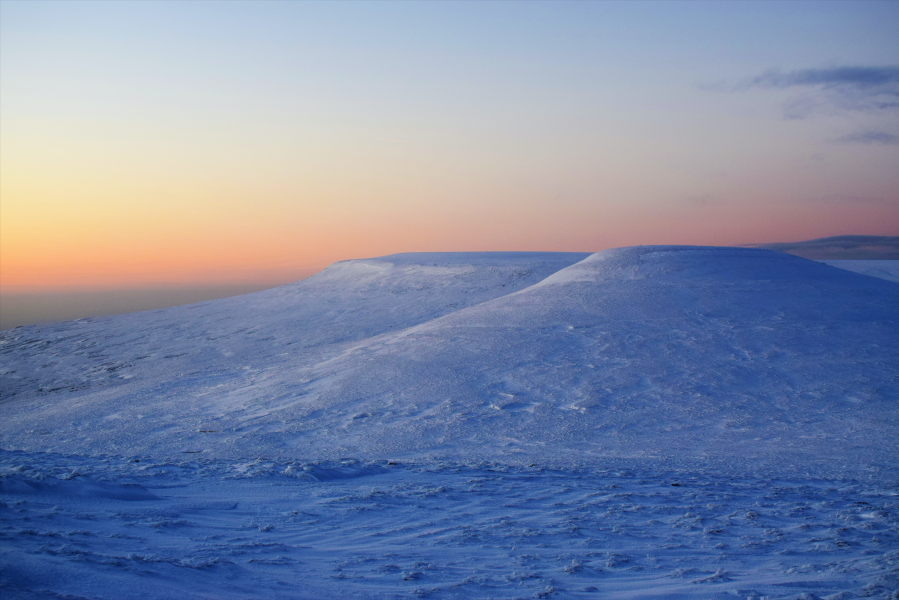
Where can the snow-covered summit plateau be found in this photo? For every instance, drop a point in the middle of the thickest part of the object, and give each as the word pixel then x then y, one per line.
pixel 748 356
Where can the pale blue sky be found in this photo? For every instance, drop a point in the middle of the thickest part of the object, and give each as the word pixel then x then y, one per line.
pixel 278 135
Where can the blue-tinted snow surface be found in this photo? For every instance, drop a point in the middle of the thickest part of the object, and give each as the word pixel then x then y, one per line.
pixel 884 269
pixel 641 422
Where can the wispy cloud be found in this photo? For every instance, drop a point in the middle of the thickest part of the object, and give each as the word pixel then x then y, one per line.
pixel 866 89
pixel 855 77
pixel 870 137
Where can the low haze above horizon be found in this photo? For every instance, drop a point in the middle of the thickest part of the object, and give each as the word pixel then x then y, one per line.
pixel 154 144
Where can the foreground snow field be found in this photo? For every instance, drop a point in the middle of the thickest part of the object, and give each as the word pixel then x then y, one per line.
pixel 641 422
pixel 106 528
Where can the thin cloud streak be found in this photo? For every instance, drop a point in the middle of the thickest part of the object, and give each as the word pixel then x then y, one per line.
pixel 870 137
pixel 855 77
pixel 862 89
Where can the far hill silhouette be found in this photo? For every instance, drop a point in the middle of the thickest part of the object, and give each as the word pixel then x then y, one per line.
pixel 841 247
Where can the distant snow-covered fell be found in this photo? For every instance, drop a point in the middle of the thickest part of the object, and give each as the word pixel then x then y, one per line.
pixel 666 352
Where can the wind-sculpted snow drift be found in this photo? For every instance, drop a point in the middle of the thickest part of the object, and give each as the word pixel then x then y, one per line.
pixel 663 352
pixel 644 422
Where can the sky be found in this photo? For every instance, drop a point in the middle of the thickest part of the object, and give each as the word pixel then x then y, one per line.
pixel 210 143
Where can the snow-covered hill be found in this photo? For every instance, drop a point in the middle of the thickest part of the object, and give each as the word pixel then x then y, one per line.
pixel 640 422
pixel 883 269
pixel 123 368
pixel 663 352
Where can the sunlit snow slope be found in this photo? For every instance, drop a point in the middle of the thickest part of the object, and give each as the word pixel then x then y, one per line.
pixel 884 269
pixel 677 353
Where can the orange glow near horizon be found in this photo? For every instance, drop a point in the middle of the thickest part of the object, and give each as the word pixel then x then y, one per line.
pixel 99 246
pixel 79 226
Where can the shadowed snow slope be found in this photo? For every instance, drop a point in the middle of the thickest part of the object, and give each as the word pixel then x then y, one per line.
pixel 681 353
